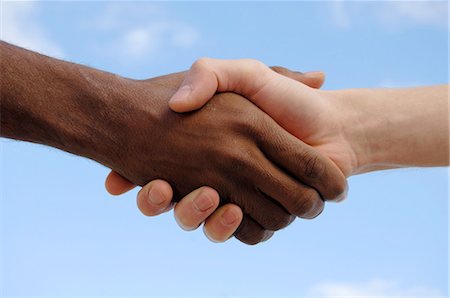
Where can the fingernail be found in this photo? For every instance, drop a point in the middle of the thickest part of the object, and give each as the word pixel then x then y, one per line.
pixel 202 202
pixel 156 197
pixel 228 218
pixel 181 94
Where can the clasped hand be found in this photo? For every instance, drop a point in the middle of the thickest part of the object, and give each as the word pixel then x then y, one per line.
pixel 241 171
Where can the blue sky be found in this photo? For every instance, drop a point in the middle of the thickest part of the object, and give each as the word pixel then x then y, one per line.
pixel 63 235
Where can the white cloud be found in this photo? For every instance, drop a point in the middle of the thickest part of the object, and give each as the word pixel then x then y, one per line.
pixel 373 288
pixel 141 31
pixel 391 15
pixel 420 13
pixel 142 41
pixel 117 15
pixel 20 25
pixel 148 40
pixel 185 36
pixel 339 14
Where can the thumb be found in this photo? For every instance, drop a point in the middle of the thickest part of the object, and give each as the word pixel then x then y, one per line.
pixel 199 85
pixel 208 76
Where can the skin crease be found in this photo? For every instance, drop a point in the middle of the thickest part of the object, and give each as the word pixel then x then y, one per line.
pixel 226 219
pixel 126 125
pixel 366 142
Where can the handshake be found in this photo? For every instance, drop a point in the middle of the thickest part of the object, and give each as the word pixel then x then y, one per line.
pixel 235 144
pixel 254 169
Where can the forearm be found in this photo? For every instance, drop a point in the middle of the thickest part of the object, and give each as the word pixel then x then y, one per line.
pixel 390 128
pixel 56 103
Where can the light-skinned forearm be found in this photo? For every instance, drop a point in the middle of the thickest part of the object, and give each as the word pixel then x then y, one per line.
pixel 391 128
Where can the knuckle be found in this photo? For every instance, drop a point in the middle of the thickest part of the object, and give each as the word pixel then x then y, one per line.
pixel 256 64
pixel 305 203
pixel 270 221
pixel 278 223
pixel 269 214
pixel 251 236
pixel 313 167
pixel 250 239
pixel 201 63
pixel 267 235
pixel 340 190
pixel 252 66
pixel 316 210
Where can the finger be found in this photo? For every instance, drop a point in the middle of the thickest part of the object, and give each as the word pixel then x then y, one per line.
pixel 313 79
pixel 117 185
pixel 282 190
pixel 304 163
pixel 221 225
pixel 155 198
pixel 208 76
pixel 298 199
pixel 250 232
pixel 194 208
pixel 264 210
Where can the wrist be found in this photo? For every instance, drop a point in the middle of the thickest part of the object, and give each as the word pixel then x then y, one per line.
pixel 100 113
pixel 392 128
pixel 359 124
pixel 116 108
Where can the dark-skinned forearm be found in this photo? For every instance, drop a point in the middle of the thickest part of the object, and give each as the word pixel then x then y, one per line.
pixel 60 104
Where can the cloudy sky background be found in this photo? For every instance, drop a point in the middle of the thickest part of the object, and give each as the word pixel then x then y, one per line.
pixel 62 234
